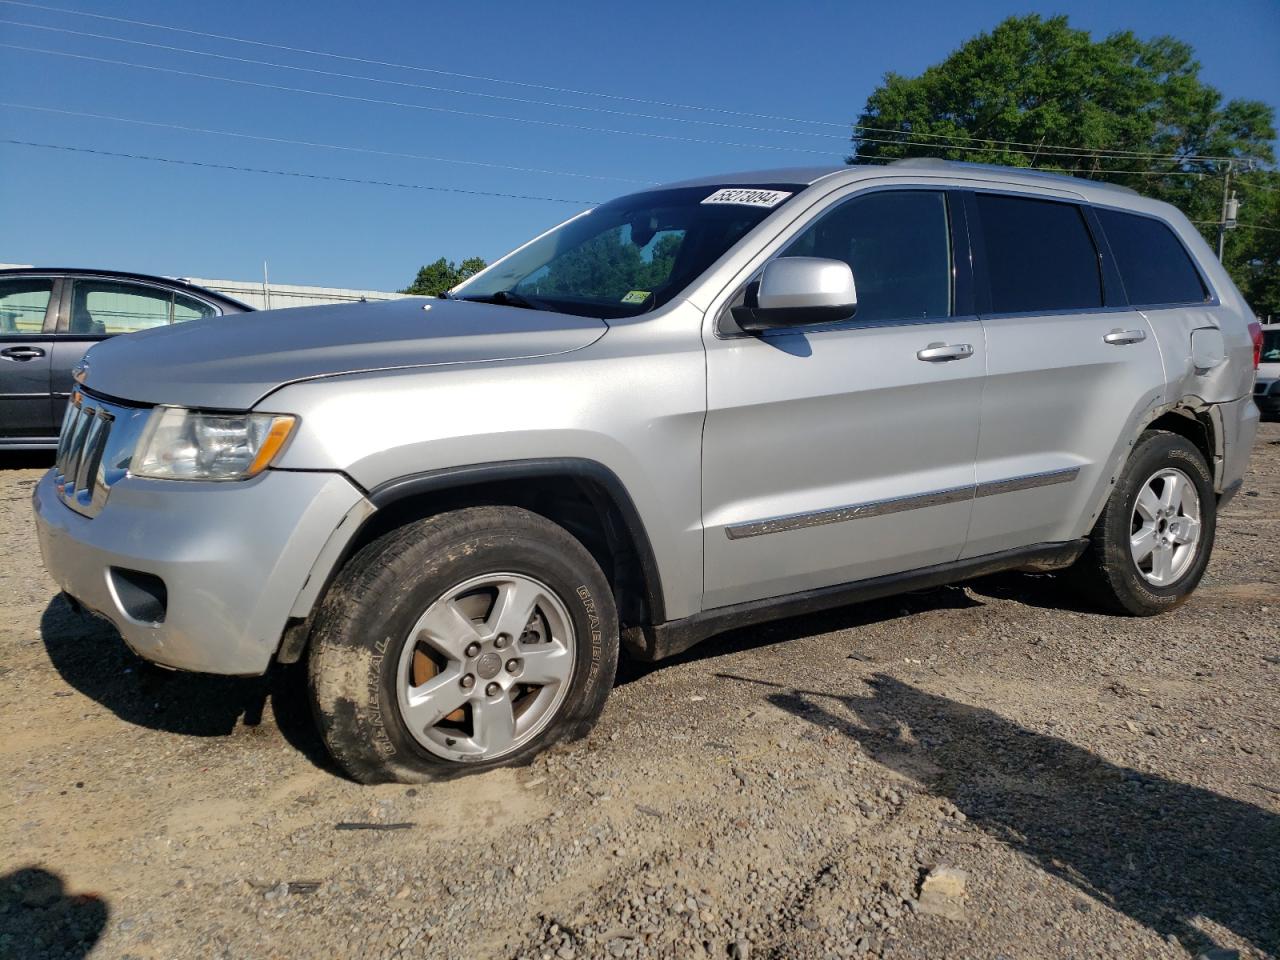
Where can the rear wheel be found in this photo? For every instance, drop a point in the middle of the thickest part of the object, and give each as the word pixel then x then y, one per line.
pixel 1150 546
pixel 465 641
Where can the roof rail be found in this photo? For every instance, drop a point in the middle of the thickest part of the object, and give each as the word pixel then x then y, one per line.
pixel 936 163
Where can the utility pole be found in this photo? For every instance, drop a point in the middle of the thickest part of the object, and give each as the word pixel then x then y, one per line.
pixel 266 282
pixel 1230 206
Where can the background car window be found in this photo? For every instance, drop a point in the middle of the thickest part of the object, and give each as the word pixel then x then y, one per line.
pixel 899 248
pixel 1271 346
pixel 1154 265
pixel 1040 255
pixel 189 308
pixel 109 307
pixel 22 305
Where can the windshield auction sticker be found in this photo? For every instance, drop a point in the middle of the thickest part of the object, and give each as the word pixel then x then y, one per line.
pixel 748 196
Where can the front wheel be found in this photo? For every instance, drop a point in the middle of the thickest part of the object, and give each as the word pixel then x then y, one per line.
pixel 1151 544
pixel 464 641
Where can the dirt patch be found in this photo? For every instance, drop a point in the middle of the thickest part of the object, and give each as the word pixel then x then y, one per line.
pixel 1105 786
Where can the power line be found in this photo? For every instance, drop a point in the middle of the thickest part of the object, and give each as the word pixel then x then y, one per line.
pixel 312 143
pixel 293 173
pixel 413 106
pixel 424 86
pixel 1240 226
pixel 408 66
pixel 996 146
pixel 490 116
pixel 1037 149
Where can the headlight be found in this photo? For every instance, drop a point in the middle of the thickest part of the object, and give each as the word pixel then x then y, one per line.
pixel 180 444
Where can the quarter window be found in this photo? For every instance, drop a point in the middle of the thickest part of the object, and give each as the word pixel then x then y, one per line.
pixel 23 301
pixel 110 307
pixel 1040 255
pixel 1154 265
pixel 899 247
pixel 189 308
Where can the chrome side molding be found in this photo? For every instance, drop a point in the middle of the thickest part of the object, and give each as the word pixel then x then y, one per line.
pixel 1028 482
pixel 880 508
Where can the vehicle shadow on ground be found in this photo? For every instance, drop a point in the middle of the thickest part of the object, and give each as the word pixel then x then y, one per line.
pixel 26 459
pixel 1046 591
pixel 806 625
pixel 89 655
pixel 1163 852
pixel 38 918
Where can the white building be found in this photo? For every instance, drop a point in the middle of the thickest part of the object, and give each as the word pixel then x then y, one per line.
pixel 273 296
pixel 262 295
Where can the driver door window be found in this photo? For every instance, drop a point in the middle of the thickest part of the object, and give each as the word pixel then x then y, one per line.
pixel 897 242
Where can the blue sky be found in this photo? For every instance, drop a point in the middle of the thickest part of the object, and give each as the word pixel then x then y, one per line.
pixel 810 61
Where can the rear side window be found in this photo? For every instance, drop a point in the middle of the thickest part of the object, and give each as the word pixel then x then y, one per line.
pixel 101 307
pixel 1154 265
pixel 1040 255
pixel 898 245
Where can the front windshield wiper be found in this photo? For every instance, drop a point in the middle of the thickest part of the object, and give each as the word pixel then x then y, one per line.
pixel 507 298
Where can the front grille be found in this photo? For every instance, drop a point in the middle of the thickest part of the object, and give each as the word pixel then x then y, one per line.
pixel 94 449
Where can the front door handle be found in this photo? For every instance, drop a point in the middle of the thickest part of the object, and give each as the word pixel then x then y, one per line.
pixel 21 353
pixel 939 352
pixel 1120 337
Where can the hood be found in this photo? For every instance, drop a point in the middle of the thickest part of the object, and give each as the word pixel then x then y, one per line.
pixel 232 362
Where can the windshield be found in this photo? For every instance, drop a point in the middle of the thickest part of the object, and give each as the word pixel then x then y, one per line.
pixel 630 255
pixel 1271 346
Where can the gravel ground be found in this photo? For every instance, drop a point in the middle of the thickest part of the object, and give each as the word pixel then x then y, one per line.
pixel 989 771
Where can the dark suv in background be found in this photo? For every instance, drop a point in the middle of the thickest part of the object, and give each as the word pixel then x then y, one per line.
pixel 50 317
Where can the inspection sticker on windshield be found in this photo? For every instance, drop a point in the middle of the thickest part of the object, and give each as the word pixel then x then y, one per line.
pixel 748 196
pixel 636 296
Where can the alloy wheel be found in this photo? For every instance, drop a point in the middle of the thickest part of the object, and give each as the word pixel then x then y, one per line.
pixel 1164 536
pixel 486 667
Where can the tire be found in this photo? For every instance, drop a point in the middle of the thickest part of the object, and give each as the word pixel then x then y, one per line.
pixel 456 583
pixel 1109 573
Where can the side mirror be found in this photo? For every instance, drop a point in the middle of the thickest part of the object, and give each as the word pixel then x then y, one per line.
pixel 797 291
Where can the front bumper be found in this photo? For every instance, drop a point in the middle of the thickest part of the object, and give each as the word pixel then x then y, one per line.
pixel 233 557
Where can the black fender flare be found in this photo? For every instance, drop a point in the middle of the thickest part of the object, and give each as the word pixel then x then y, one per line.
pixel 451 478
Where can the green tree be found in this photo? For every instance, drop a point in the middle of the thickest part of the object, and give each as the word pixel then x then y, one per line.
pixel 435 278
pixel 609 266
pixel 1032 87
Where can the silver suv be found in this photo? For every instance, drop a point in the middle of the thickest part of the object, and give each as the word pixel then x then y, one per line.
pixel 669 416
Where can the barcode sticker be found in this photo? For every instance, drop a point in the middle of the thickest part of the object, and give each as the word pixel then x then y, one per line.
pixel 748 196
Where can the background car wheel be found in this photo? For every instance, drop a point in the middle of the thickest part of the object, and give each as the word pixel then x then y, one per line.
pixel 464 641
pixel 1151 544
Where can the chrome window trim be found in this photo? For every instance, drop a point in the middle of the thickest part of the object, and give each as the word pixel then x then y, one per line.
pixel 880 508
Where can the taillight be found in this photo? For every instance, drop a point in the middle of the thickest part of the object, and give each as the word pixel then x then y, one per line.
pixel 1255 331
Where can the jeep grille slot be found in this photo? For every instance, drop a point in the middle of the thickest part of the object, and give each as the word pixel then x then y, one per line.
pixel 94 449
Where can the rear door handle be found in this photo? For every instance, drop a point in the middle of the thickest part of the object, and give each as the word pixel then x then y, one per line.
pixel 939 352
pixel 1120 337
pixel 21 353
